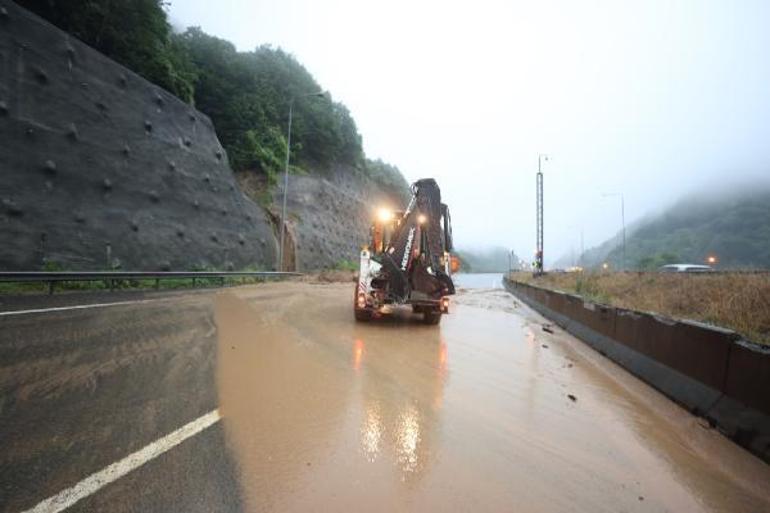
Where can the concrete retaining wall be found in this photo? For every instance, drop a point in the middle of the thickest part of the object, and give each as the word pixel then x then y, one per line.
pixel 100 168
pixel 708 370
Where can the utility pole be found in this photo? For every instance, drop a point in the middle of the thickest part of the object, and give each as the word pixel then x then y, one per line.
pixel 319 94
pixel 539 194
pixel 285 186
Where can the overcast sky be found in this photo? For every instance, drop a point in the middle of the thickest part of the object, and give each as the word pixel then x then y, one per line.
pixel 654 99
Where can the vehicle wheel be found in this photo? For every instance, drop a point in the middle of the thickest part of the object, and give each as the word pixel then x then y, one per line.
pixel 431 317
pixel 416 308
pixel 362 315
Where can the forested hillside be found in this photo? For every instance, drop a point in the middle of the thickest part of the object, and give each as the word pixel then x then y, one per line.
pixel 246 94
pixel 733 226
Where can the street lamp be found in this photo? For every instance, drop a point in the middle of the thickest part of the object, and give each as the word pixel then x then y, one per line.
pixel 539 214
pixel 622 219
pixel 318 94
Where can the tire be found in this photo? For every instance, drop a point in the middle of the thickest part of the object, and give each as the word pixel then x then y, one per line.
pixel 362 315
pixel 431 317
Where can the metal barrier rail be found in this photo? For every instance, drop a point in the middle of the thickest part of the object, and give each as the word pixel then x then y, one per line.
pixel 112 277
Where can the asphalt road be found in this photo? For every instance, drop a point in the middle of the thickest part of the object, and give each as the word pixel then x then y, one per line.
pixel 487 412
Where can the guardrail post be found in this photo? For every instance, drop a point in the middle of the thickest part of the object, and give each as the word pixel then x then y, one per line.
pixel 50 287
pixel 157 283
pixel 112 285
pixel 193 282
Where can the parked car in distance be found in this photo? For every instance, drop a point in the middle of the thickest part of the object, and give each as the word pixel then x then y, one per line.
pixel 685 268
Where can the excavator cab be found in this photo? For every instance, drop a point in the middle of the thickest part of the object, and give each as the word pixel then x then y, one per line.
pixel 409 261
pixel 384 226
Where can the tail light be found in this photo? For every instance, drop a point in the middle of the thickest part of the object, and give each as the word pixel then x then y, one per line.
pixel 445 304
pixel 361 300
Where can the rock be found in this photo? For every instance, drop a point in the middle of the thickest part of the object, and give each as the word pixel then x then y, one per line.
pixel 12 209
pixel 72 132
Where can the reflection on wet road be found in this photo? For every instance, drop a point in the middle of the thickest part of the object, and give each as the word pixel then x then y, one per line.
pixel 321 413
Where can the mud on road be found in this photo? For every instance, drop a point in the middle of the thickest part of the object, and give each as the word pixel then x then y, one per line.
pixel 486 412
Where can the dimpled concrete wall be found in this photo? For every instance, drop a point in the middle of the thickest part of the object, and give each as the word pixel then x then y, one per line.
pixel 100 168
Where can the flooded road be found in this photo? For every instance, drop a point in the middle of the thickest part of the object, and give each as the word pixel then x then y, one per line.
pixel 487 412
pixel 271 398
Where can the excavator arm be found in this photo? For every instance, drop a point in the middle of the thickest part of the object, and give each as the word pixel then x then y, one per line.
pixel 415 260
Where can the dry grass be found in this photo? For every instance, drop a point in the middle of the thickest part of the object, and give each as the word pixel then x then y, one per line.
pixel 739 301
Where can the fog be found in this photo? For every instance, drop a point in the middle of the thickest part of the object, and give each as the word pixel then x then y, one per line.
pixel 652 99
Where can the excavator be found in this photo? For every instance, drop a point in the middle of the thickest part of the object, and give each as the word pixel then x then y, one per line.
pixel 408 260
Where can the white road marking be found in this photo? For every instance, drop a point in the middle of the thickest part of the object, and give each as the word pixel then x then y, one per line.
pixel 77 307
pixel 107 475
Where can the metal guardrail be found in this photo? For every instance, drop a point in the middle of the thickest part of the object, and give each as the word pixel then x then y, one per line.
pixel 113 277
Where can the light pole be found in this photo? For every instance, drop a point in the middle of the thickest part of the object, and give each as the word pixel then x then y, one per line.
pixel 539 215
pixel 622 220
pixel 286 172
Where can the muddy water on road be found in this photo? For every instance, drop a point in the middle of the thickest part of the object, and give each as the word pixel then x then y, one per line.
pixel 322 413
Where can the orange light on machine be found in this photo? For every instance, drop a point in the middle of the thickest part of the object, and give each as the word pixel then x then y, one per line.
pixel 445 304
pixel 454 263
pixel 361 300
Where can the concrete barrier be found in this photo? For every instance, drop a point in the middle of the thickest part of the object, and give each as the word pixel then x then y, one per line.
pixel 707 369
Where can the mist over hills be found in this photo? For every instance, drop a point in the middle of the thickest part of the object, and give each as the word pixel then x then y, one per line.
pixel 732 224
pixel 489 260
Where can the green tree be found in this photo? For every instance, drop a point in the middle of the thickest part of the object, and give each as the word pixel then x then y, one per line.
pixel 247 96
pixel 135 33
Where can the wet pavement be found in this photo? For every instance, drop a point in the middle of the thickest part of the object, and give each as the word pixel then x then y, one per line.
pixel 486 412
